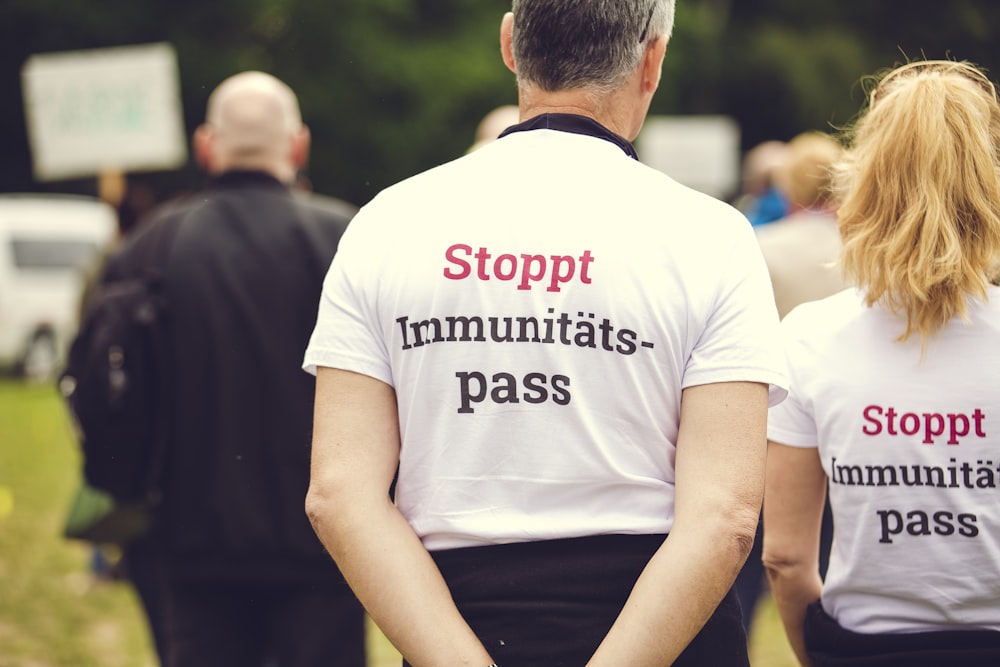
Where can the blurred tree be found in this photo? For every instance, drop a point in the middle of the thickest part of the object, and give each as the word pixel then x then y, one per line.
pixel 391 87
pixel 388 87
pixel 798 66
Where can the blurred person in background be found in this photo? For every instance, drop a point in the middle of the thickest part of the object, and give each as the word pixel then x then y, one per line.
pixel 135 560
pixel 893 402
pixel 759 199
pixel 245 580
pixel 567 356
pixel 494 123
pixel 801 249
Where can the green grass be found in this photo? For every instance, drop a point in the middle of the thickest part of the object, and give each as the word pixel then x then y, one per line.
pixel 53 613
pixel 768 645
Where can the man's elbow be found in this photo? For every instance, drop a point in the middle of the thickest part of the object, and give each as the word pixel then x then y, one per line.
pixel 731 531
pixel 338 506
pixel 327 503
pixel 743 530
pixel 317 507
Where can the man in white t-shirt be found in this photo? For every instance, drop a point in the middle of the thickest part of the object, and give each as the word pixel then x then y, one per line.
pixel 566 356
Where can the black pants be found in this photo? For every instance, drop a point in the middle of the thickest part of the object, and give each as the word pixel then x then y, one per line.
pixel 142 561
pixel 222 625
pixel 550 603
pixel 830 645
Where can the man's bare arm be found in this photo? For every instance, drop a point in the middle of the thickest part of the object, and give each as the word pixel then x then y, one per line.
pixel 719 485
pixel 354 458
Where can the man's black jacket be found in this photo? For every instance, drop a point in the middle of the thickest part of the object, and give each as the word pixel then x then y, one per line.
pixel 243 283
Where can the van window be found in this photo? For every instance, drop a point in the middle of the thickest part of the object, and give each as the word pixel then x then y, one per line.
pixel 53 254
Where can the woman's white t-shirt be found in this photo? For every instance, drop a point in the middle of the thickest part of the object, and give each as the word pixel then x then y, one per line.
pixel 910 443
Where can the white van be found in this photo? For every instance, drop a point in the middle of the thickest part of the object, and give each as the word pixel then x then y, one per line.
pixel 48 245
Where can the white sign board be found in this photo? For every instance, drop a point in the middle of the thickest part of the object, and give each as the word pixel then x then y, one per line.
pixel 104 109
pixel 702 152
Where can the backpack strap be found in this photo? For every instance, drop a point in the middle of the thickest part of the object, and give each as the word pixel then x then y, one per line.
pixel 155 255
pixel 146 258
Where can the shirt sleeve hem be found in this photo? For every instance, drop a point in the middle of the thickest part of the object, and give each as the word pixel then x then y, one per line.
pixel 790 438
pixel 314 358
pixel 777 383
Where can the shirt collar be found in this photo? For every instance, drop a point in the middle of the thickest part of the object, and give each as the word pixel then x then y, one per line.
pixel 566 122
pixel 245 177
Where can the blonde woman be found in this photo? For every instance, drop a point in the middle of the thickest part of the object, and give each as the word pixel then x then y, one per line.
pixel 894 403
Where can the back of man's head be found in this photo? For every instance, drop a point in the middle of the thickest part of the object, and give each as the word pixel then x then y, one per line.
pixel 253 122
pixel 585 44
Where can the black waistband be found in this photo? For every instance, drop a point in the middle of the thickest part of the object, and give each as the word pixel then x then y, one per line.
pixel 550 603
pixel 831 645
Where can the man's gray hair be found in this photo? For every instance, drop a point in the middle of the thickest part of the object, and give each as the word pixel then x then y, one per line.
pixel 591 44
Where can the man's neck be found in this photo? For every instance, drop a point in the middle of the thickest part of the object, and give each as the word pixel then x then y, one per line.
pixel 606 109
pixel 282 172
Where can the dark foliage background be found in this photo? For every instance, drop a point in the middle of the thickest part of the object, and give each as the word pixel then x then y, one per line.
pixel 391 87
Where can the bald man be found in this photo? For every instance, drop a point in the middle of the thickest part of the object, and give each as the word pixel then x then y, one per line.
pixel 246 581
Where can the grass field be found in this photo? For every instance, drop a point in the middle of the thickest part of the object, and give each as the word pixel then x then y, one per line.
pixel 53 613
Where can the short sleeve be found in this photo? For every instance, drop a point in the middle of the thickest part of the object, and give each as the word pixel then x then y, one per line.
pixel 348 334
pixel 792 422
pixel 741 338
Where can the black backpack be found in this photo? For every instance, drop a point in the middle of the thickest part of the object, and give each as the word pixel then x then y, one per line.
pixel 115 377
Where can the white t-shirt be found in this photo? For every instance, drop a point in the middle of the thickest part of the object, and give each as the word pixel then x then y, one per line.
pixel 538 306
pixel 910 448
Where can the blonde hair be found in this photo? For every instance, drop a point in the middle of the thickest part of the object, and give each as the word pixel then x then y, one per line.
pixel 806 175
pixel 919 193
